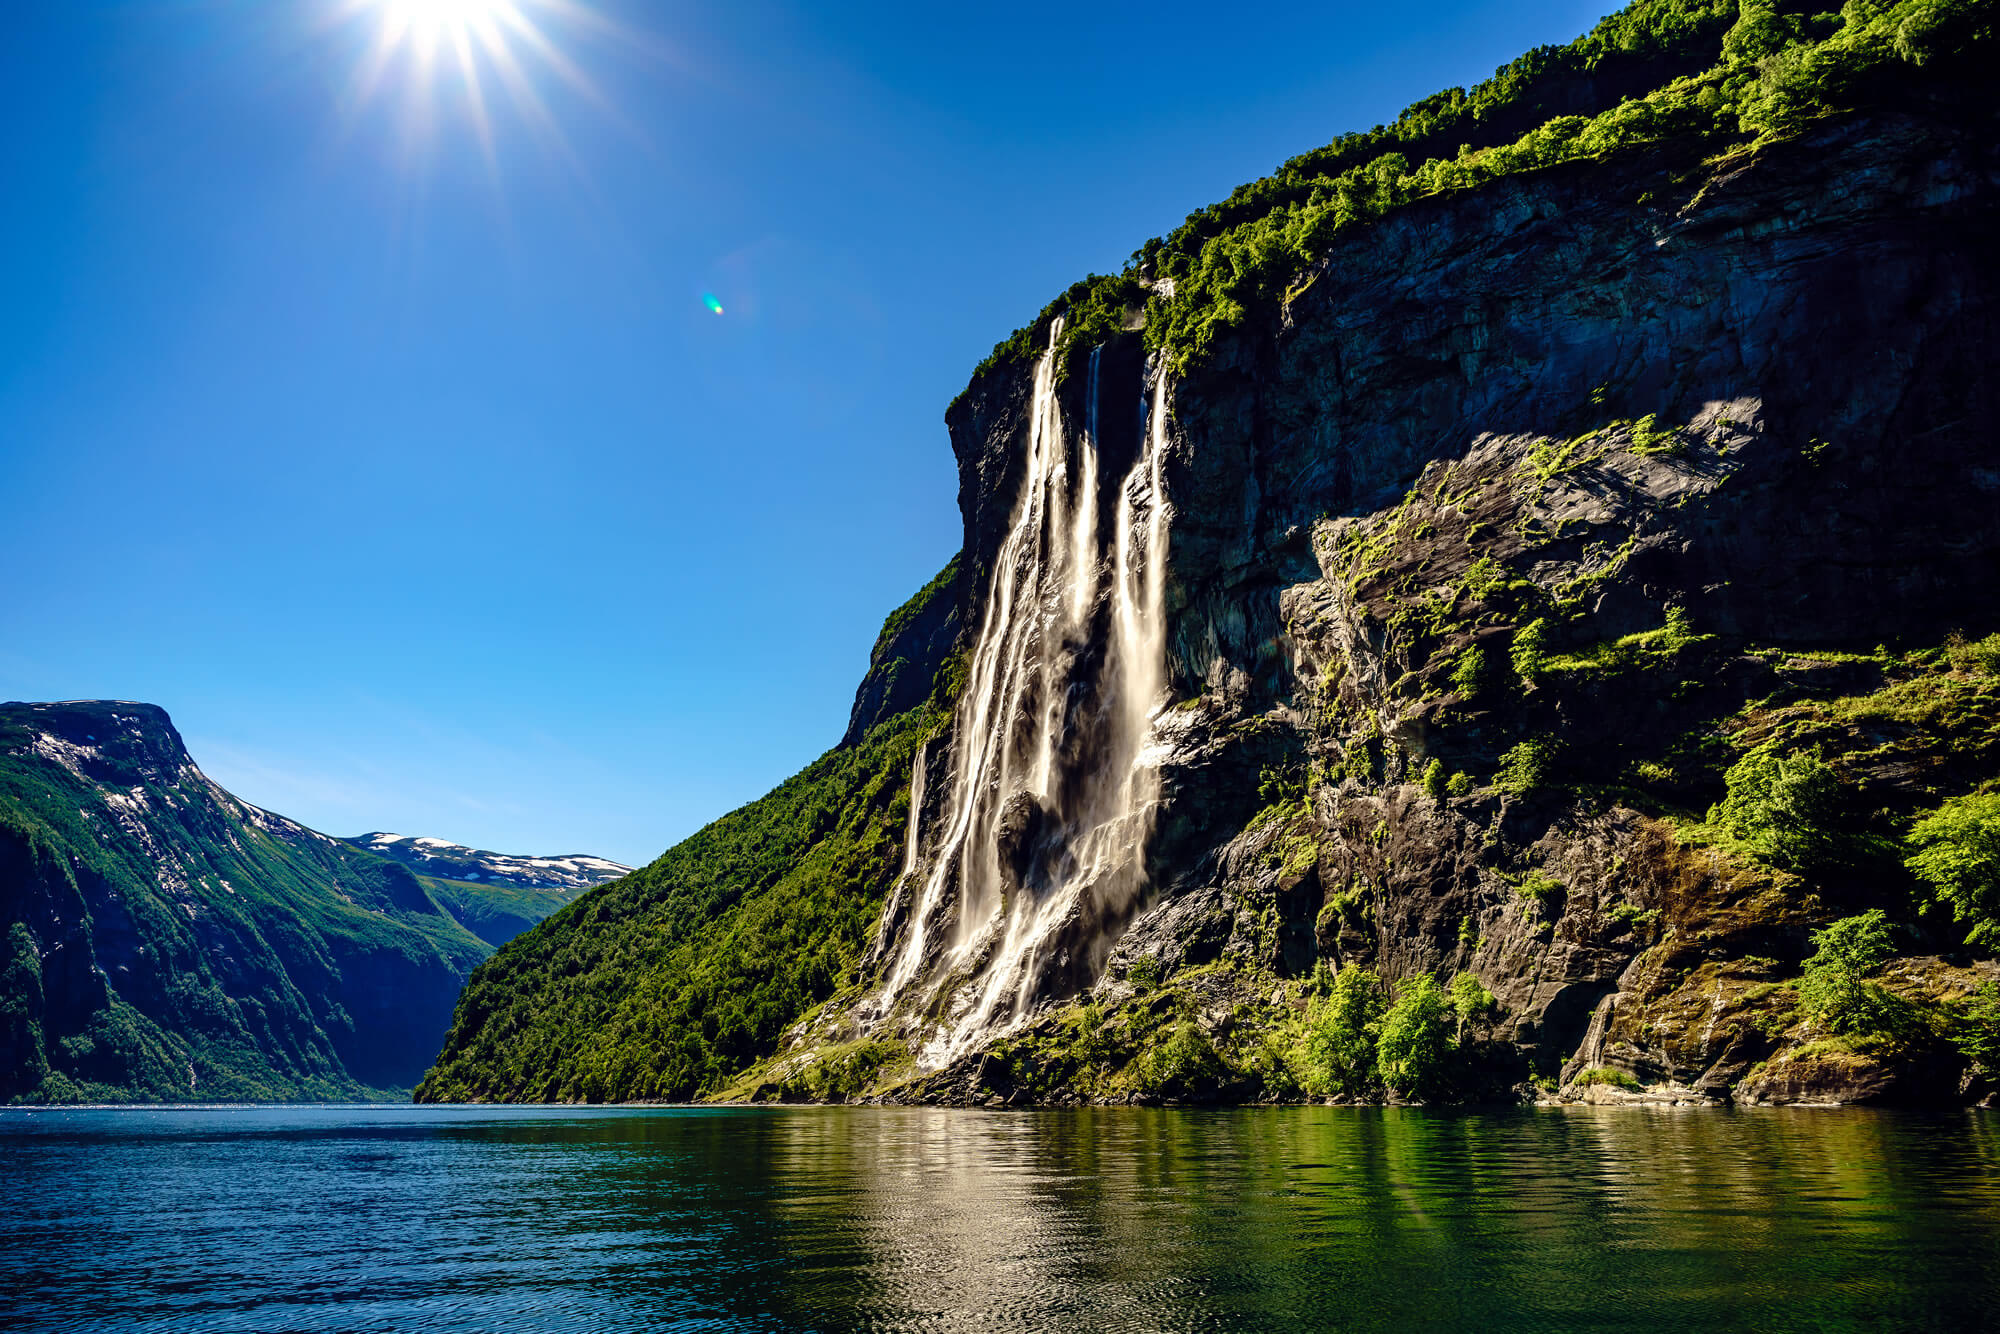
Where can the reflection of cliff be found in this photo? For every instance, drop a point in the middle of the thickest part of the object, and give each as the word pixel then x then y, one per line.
pixel 1388 1219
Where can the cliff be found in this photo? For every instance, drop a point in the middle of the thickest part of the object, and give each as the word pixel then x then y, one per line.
pixel 166 941
pixel 1504 624
pixel 1724 441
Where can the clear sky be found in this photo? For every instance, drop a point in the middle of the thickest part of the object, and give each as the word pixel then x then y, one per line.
pixel 420 484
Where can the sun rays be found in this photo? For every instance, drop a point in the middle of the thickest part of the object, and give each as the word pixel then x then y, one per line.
pixel 480 53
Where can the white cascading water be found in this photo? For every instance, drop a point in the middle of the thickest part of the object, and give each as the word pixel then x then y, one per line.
pixel 1038 854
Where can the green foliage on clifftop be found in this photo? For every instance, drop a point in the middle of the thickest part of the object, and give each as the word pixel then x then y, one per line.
pixel 1698 78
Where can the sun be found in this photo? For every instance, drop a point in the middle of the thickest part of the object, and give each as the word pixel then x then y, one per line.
pixel 434 47
pixel 428 20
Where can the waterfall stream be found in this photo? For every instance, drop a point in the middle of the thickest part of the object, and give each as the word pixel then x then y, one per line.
pixel 1036 857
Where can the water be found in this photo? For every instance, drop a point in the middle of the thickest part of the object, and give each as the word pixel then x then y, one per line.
pixel 1052 783
pixel 529 1219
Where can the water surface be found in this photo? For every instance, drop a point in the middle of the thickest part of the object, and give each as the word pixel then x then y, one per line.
pixel 524 1219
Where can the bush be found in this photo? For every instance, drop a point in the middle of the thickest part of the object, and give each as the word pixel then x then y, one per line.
pixel 1538 889
pixel 1470 675
pixel 1186 1063
pixel 1144 974
pixel 1416 1037
pixel 1835 990
pixel 1526 768
pixel 1460 785
pixel 1604 1074
pixel 1978 1035
pixel 1958 855
pixel 1435 781
pixel 1337 1054
pixel 1788 808
pixel 1469 999
pixel 1530 653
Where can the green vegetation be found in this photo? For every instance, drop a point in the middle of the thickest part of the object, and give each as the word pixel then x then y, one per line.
pixel 1836 989
pixel 1527 766
pixel 158 941
pixel 1683 79
pixel 1978 1034
pixel 1336 1054
pixel 1470 1000
pixel 1957 854
pixel 1788 808
pixel 1436 781
pixel 1417 1037
pixel 669 983
pixel 1610 1078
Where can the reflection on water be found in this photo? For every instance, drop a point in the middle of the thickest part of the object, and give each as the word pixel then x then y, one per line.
pixel 1336 1218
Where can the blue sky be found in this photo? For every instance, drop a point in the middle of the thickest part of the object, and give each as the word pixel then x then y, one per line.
pixel 424 491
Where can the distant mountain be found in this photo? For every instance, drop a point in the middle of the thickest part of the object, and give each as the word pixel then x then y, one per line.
pixel 455 861
pixel 161 939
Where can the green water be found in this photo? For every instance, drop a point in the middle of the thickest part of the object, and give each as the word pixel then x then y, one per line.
pixel 328 1219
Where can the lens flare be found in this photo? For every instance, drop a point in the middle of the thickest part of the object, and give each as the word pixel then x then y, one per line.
pixel 708 299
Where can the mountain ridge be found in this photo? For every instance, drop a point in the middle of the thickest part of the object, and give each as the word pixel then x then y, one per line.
pixel 165 940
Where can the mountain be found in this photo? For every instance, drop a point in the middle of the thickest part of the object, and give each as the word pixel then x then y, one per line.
pixel 454 861
pixel 165 940
pixel 1502 608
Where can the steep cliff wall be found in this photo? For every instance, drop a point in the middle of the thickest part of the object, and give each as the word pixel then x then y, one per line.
pixel 1497 621
pixel 1724 438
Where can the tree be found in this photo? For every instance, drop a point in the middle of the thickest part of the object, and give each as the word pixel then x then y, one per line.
pixel 1416 1037
pixel 1469 999
pixel 1958 856
pixel 1338 1052
pixel 1979 1036
pixel 1835 989
pixel 1787 807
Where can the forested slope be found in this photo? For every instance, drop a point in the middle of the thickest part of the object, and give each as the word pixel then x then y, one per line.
pixel 166 941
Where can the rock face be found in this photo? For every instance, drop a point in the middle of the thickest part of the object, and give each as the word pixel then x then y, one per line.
pixel 164 940
pixel 1532 510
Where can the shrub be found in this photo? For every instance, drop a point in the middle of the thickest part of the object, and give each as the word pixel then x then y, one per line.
pixel 1788 808
pixel 1185 1063
pixel 1435 781
pixel 1957 853
pixel 1526 767
pixel 1470 675
pixel 1416 1037
pixel 1144 974
pixel 1530 653
pixel 1469 999
pixel 1835 989
pixel 1604 1074
pixel 1978 1035
pixel 1337 1053
pixel 1538 889
pixel 1460 785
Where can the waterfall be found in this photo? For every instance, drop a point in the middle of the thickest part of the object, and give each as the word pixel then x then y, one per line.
pixel 1038 855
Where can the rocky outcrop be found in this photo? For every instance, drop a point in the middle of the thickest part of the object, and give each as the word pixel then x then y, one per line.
pixel 913 644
